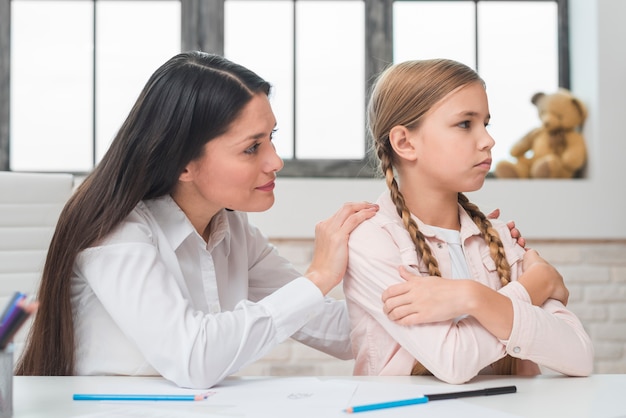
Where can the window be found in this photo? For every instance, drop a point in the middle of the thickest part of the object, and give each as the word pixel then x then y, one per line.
pixel 503 40
pixel 93 57
pixel 512 44
pixel 76 69
pixel 313 54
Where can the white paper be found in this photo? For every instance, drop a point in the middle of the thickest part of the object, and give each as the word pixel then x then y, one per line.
pixel 300 397
pixel 260 396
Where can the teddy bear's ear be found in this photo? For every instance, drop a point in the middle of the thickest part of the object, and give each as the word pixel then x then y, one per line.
pixel 536 97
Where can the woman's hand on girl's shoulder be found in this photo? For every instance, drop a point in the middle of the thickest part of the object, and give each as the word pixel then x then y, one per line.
pixel 330 256
pixel 515 233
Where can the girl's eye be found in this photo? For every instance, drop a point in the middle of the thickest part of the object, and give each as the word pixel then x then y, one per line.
pixel 273 133
pixel 253 149
pixel 465 124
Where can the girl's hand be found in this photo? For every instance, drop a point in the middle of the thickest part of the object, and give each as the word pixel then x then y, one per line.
pixel 421 300
pixel 541 280
pixel 330 256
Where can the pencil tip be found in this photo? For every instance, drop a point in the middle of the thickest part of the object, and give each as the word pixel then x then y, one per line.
pixel 202 396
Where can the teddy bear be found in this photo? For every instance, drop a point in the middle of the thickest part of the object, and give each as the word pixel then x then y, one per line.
pixel 556 149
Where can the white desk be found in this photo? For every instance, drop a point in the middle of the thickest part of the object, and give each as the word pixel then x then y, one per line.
pixel 597 396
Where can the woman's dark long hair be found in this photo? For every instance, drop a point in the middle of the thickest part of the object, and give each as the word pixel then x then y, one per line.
pixel 189 100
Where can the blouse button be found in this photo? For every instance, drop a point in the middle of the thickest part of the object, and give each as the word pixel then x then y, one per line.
pixel 439 245
pixel 516 350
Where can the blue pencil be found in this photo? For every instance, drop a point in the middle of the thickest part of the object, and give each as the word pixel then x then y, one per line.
pixel 499 390
pixel 138 397
pixel 384 405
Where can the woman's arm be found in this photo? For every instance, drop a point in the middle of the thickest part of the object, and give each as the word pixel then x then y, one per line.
pixel 329 331
pixel 140 311
pixel 149 313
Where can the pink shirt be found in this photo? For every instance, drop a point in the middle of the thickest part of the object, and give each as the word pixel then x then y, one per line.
pixel 454 352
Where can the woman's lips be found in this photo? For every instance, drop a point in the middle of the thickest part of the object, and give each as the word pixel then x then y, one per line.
pixel 268 186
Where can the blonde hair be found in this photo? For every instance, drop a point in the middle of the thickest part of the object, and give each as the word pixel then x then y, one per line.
pixel 401 95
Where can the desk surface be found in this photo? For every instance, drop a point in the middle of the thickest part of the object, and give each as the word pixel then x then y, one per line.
pixel 596 396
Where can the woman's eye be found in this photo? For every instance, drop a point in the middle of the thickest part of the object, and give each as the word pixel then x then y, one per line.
pixel 273 133
pixel 253 149
pixel 465 124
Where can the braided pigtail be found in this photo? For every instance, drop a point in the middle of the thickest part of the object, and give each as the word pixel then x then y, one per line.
pixel 507 365
pixel 396 196
pixel 491 237
pixel 418 239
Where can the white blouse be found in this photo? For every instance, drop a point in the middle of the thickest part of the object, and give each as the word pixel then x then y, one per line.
pixel 154 298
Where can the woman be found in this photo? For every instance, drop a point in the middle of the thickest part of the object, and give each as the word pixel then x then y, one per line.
pixel 154 269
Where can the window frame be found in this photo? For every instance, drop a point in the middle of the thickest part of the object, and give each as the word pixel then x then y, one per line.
pixel 202 28
pixel 588 210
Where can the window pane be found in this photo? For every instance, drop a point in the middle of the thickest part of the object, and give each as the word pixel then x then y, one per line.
pixel 518 56
pixel 434 29
pixel 51 85
pixel 133 39
pixel 330 79
pixel 259 35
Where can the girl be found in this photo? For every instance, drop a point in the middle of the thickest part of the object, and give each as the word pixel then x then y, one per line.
pixel 154 269
pixel 495 308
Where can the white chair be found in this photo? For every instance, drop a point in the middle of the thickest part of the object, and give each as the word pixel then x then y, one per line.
pixel 30 204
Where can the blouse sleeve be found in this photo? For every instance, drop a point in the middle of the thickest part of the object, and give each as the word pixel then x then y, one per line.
pixel 453 351
pixel 328 331
pixel 189 347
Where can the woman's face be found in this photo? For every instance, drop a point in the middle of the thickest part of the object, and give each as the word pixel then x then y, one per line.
pixel 238 168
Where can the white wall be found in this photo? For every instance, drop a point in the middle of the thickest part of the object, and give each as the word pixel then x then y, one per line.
pixel 590 208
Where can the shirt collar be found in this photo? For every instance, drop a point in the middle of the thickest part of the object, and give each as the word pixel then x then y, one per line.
pixel 177 228
pixel 468 227
pixel 220 231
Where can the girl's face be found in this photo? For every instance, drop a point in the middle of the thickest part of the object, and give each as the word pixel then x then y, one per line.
pixel 238 168
pixel 452 145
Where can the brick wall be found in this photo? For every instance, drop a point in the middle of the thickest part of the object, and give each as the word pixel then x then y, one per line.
pixel 594 271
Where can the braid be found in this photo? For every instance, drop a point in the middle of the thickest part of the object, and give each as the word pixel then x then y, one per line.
pixel 491 237
pixel 507 364
pixel 418 238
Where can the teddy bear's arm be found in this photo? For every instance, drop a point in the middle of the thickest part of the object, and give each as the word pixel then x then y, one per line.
pixel 524 144
pixel 575 152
